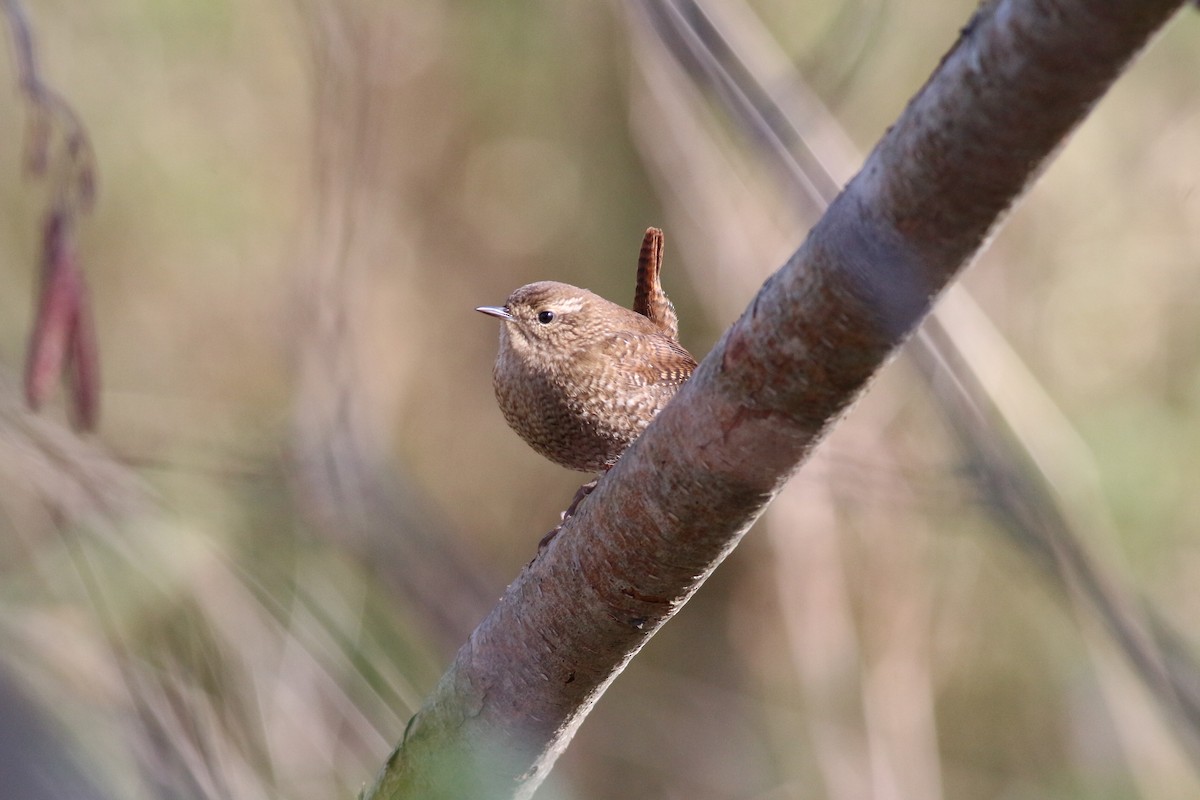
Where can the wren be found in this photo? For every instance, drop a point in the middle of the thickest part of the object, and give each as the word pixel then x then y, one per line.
pixel 579 377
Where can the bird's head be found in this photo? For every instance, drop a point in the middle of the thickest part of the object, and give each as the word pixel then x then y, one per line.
pixel 554 320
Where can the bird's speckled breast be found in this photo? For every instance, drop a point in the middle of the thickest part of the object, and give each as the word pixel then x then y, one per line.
pixel 563 424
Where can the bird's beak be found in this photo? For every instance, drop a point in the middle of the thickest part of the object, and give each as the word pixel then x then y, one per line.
pixel 495 311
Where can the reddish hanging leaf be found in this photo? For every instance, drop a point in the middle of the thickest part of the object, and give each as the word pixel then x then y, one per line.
pixel 57 308
pixel 83 364
pixel 63 341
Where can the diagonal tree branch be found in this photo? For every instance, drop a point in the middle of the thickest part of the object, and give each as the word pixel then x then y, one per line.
pixel 1024 460
pixel 1022 74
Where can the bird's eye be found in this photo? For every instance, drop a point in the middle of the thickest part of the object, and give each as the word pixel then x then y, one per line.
pixel 545 317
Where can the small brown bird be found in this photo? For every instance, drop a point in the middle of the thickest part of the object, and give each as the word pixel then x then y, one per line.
pixel 579 377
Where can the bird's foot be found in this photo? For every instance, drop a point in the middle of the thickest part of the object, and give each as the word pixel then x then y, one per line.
pixel 582 492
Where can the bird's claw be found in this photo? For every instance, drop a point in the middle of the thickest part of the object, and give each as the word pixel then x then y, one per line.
pixel 580 494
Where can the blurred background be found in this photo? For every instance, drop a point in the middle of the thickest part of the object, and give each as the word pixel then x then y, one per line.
pixel 301 496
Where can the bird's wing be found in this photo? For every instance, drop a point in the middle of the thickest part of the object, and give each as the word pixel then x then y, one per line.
pixel 649 359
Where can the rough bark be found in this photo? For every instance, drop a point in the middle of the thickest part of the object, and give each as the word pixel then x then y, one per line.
pixel 1021 76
